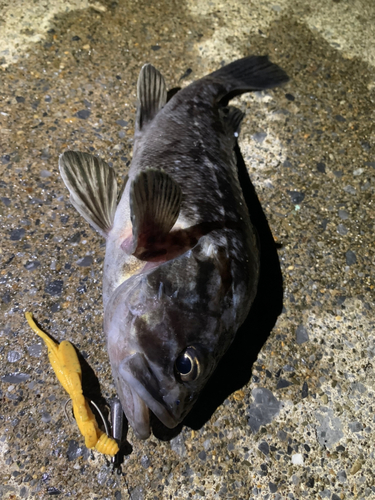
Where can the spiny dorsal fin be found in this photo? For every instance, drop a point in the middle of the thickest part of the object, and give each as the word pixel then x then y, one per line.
pixel 93 188
pixel 152 94
pixel 155 200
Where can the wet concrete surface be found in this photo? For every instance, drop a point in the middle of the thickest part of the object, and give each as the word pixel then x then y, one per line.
pixel 289 415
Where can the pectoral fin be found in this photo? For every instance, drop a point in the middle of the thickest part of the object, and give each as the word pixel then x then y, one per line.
pixel 152 95
pixel 93 188
pixel 155 200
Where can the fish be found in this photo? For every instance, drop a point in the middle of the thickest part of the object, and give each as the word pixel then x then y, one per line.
pixel 182 260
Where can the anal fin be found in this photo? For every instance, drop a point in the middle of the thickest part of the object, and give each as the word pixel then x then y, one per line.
pixel 93 188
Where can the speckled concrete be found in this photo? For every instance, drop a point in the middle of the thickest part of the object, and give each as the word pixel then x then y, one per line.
pixel 301 422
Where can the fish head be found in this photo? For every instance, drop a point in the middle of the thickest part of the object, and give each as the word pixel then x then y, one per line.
pixel 166 331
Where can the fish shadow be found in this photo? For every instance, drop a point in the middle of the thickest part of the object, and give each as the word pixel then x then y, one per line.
pixel 235 368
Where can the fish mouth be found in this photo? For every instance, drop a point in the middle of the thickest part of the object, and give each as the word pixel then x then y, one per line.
pixel 144 386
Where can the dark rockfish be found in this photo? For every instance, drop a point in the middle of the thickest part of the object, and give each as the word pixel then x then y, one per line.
pixel 181 264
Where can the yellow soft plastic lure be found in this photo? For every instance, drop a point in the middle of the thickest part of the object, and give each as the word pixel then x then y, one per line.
pixel 65 363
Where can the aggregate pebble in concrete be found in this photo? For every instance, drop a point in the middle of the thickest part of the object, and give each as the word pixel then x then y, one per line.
pixel 301 423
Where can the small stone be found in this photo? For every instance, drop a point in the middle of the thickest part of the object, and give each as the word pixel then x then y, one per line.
pixel 83 114
pixel 202 455
pixel 350 258
pixel 137 493
pixel 340 118
pixel 45 173
pixel 145 462
pixel 290 97
pixel 15 378
pixel 85 261
pixel 35 350
pixel 272 487
pixel 301 335
pixel 178 445
pixel 296 196
pixel 53 491
pixel 343 214
pixel 350 190
pixel 155 47
pixel 355 426
pixel 54 288
pixel 17 234
pixel 46 417
pixel 305 390
pixel 122 123
pixel 76 38
pixel 6 201
pixel 31 266
pixel 321 167
pixel 282 383
pixel 20 99
pixel 264 448
pixel 341 229
pixel 264 408
pixel 259 137
pixel 297 459
pixel 14 356
pixel 75 450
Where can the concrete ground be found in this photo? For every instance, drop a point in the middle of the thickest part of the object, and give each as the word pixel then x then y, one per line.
pixel 300 422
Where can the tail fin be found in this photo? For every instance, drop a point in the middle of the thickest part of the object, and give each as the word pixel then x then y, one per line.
pixel 246 74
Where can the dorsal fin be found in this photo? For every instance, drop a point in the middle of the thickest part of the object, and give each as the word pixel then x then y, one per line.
pixel 93 188
pixel 151 93
pixel 155 200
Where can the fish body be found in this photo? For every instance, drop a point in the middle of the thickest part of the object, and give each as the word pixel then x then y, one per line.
pixel 182 262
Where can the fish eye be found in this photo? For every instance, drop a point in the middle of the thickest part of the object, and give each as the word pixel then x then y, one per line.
pixel 187 365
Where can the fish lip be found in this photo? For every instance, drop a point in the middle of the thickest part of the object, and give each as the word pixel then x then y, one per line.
pixel 136 372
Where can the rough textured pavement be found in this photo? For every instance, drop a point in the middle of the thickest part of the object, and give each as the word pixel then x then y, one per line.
pixel 299 422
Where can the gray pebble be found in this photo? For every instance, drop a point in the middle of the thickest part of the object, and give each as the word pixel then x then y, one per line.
pixel 122 123
pixel 329 430
pixel 343 214
pixel 264 448
pixel 282 383
pixel 341 229
pixel 85 261
pixel 350 258
pixel 145 462
pixel 15 378
pixel 83 114
pixel 46 417
pixel 6 201
pixel 54 288
pixel 17 234
pixel 137 493
pixel 178 445
pixel 264 408
pixel 301 334
pixel 350 190
pixel 13 356
pixel 31 265
pixel 355 426
pixel 296 196
pixel 259 137
pixel 35 350
pixel 45 173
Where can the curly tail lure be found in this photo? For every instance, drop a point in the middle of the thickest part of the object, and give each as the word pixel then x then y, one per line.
pixel 65 363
